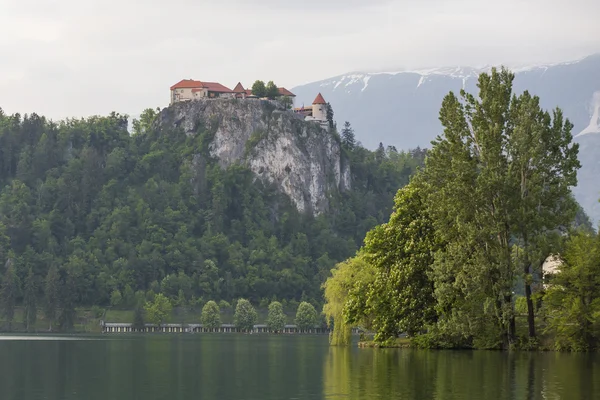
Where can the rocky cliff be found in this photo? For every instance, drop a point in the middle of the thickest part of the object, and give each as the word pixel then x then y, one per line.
pixel 303 160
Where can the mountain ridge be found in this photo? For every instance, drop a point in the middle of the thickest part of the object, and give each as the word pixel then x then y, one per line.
pixel 401 108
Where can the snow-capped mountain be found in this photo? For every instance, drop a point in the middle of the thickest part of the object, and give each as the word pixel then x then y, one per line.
pixel 401 108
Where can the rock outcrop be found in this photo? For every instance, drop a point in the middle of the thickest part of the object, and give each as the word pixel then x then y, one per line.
pixel 302 159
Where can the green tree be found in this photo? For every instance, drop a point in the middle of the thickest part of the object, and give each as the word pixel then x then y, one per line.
pixel 51 294
pixel 330 116
pixel 306 316
pixel 9 291
pixel 271 90
pixel 138 317
pixel 346 280
pixel 348 138
pixel 259 89
pixel 572 299
pixel 30 301
pixel 287 102
pixel 245 316
pixel 211 315
pixel 116 298
pixel 401 297
pixel 276 317
pixel 159 310
pixel 496 179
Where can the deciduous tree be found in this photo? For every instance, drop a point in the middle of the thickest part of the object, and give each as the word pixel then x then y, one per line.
pixel 276 317
pixel 306 316
pixel 259 89
pixel 211 315
pixel 245 315
pixel 159 310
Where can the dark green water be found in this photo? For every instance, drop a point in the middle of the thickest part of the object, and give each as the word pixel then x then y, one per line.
pixel 276 367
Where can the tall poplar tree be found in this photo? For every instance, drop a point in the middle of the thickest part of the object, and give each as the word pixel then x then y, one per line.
pixel 30 301
pixel 498 177
pixel 51 293
pixel 9 292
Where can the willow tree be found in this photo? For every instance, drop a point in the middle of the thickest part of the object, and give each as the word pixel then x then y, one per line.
pixel 348 280
pixel 498 177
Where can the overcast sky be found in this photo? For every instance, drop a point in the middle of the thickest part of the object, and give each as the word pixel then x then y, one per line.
pixel 81 57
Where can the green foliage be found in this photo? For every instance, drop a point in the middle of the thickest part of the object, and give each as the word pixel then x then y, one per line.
pixel 306 316
pixel 94 210
pixel 345 284
pixel 245 315
pixel 498 179
pixel 287 102
pixel 329 116
pixel 276 317
pixel 259 89
pixel 138 317
pixel 51 287
pixel 30 301
pixel 401 298
pixel 348 138
pixel 211 315
pixel 159 310
pixel 572 300
pixel 9 292
pixel 116 298
pixel 271 90
pixel 476 224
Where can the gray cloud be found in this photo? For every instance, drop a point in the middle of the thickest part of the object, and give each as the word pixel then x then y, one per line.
pixel 72 58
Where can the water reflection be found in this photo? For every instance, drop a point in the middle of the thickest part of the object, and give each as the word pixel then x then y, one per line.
pixel 281 367
pixel 450 375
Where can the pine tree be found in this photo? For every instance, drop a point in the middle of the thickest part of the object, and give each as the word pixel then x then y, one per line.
pixel 30 301
pixel 348 138
pixel 9 292
pixel 330 115
pixel 51 290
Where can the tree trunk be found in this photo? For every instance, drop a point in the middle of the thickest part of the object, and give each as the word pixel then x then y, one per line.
pixel 530 310
pixel 512 326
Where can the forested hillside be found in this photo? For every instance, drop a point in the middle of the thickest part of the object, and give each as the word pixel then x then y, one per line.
pixel 88 210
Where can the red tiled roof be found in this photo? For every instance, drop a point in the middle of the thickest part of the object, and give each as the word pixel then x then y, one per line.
pixel 187 84
pixel 239 88
pixel 248 92
pixel 192 84
pixel 319 99
pixel 284 92
pixel 217 87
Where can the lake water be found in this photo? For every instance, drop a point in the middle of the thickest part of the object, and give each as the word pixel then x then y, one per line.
pixel 257 367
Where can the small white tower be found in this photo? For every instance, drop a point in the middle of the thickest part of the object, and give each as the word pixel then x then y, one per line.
pixel 319 107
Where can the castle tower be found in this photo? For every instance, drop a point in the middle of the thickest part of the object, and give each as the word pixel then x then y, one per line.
pixel 319 107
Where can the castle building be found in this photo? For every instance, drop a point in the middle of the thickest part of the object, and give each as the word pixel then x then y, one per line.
pixel 189 89
pixel 316 112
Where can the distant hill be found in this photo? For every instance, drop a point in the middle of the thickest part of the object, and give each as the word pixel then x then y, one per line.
pixel 401 108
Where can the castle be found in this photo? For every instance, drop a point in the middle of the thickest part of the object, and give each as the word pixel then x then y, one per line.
pixel 189 89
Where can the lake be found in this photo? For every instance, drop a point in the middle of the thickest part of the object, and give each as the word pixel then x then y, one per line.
pixel 254 367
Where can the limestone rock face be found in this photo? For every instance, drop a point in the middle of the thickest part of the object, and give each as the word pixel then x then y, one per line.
pixel 301 158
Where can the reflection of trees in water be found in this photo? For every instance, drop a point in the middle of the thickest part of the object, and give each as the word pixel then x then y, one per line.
pixel 458 375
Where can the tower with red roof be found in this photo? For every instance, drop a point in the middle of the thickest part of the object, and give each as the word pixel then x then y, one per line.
pixel 319 107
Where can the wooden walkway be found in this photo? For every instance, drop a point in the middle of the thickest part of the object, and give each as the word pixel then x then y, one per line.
pixel 109 327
